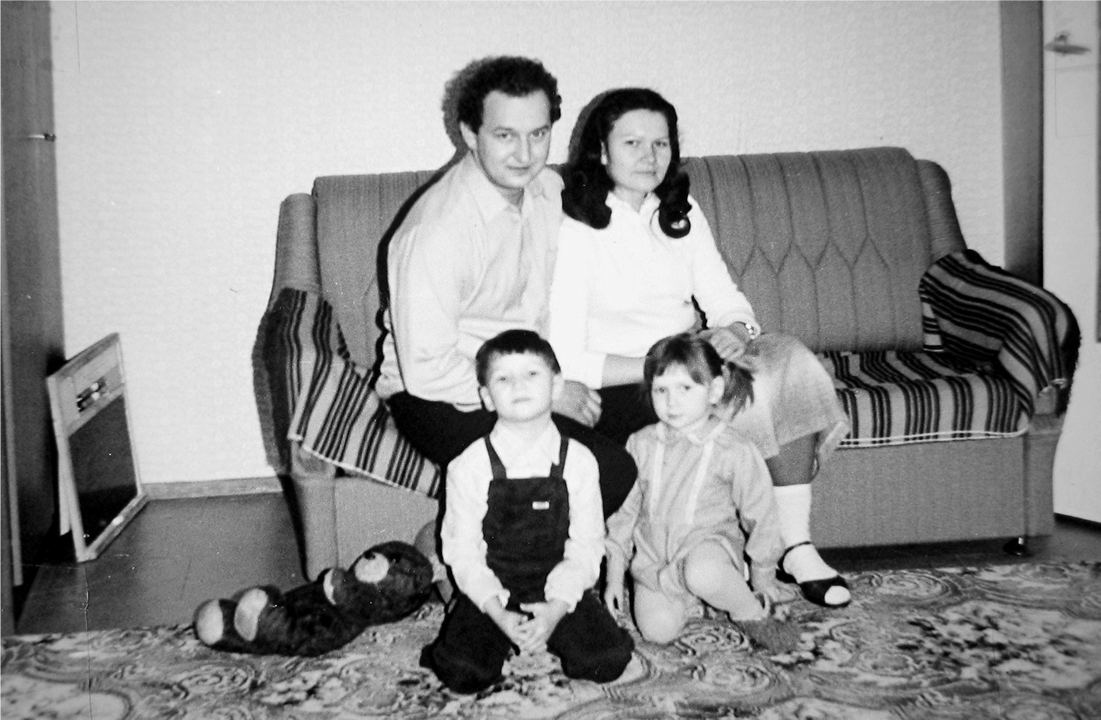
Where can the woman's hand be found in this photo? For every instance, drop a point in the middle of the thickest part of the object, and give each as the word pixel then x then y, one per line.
pixel 731 342
pixel 579 402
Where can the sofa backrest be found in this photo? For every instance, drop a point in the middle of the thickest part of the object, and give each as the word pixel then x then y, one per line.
pixel 356 214
pixel 829 246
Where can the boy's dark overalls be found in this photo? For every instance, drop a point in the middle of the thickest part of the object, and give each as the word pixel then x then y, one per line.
pixel 526 526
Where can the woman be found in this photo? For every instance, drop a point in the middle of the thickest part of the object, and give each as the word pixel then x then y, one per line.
pixel 635 257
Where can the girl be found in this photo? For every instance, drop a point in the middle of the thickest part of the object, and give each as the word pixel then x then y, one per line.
pixel 635 255
pixel 703 500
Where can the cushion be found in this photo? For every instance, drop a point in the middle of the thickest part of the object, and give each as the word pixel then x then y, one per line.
pixel 829 246
pixel 895 397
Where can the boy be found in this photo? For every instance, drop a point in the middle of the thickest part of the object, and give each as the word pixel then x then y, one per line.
pixel 523 533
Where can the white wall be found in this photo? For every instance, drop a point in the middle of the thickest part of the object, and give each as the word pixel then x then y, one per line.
pixel 183 125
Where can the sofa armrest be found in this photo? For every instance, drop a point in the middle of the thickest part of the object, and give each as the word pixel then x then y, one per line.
pixel 282 361
pixel 296 259
pixel 944 226
pixel 1052 399
pixel 977 311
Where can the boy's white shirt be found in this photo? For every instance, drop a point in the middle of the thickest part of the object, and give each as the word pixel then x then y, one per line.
pixel 468 478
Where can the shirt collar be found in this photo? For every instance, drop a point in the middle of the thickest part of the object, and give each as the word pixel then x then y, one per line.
pixel 487 197
pixel 709 429
pixel 649 206
pixel 513 448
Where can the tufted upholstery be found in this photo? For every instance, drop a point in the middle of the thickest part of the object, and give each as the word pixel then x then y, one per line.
pixel 835 257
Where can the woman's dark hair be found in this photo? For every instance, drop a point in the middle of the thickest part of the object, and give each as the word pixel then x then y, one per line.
pixel 587 182
pixel 702 363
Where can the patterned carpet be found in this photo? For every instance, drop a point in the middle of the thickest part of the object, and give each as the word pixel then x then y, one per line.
pixel 1011 641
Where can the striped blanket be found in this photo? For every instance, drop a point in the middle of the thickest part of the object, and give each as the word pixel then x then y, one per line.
pixel 894 397
pixel 975 311
pixel 333 412
pixel 992 343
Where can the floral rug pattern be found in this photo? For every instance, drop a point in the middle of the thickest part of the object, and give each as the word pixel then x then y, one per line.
pixel 971 643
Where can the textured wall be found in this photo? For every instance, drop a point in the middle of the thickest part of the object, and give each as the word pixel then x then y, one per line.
pixel 183 125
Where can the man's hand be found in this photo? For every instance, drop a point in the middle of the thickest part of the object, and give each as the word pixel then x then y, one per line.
pixel 545 617
pixel 579 402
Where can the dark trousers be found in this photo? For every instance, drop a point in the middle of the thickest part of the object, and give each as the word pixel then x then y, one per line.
pixel 440 432
pixel 471 650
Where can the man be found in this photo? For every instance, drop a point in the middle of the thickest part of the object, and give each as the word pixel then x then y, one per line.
pixel 473 258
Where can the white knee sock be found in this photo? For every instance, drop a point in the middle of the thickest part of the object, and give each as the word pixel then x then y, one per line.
pixel 793 503
pixel 803 562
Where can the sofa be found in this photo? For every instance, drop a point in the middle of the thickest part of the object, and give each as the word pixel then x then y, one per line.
pixel 955 374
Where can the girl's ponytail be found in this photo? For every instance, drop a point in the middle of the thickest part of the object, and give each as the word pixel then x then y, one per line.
pixel 739 387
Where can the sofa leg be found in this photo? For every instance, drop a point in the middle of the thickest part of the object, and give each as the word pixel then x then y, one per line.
pixel 1017 547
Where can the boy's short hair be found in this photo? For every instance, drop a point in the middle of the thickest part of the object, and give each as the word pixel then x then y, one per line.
pixel 513 342
pixel 512 75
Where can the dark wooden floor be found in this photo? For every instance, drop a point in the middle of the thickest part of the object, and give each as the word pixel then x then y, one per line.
pixel 171 557
pixel 177 553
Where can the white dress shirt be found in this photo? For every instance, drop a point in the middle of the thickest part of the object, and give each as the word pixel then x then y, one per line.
pixel 464 266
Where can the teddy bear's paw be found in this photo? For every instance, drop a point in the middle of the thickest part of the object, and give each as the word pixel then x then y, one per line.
pixel 247 616
pixel 331 581
pixel 209 622
pixel 371 567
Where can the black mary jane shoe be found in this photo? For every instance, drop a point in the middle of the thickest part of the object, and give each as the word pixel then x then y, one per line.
pixel 813 590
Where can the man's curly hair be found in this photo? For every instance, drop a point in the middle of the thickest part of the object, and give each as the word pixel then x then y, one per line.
pixel 512 75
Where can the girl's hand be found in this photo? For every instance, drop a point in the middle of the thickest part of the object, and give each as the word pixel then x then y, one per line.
pixel 614 596
pixel 545 617
pixel 772 595
pixel 731 342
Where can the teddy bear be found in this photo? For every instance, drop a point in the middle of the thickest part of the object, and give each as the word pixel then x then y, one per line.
pixel 384 584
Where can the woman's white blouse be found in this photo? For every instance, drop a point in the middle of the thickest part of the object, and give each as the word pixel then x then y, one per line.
pixel 619 290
